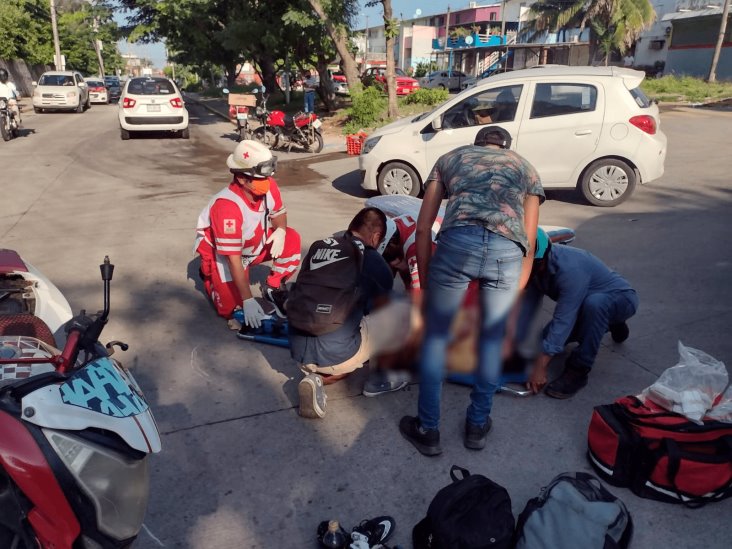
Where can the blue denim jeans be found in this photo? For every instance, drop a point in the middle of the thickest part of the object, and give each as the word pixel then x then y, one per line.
pixel 309 100
pixel 464 254
pixel 597 313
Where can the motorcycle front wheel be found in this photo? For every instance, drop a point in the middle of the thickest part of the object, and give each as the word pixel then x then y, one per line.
pixel 5 128
pixel 266 137
pixel 316 143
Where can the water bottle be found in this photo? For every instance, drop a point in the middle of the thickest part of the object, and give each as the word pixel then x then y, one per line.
pixel 335 537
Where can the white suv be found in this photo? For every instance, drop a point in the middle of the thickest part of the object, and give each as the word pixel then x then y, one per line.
pixel 61 90
pixel 590 128
pixel 152 103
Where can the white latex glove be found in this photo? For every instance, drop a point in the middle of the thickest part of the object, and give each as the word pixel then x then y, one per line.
pixel 253 313
pixel 277 238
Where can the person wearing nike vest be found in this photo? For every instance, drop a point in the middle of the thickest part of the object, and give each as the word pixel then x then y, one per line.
pixel 376 324
pixel 243 225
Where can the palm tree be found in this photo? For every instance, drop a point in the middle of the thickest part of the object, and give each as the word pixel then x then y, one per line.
pixel 614 24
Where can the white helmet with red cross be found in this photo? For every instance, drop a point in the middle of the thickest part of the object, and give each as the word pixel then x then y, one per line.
pixel 252 159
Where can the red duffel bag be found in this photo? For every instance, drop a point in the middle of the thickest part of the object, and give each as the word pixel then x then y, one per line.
pixel 659 454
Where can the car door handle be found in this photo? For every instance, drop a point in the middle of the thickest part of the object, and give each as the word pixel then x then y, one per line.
pixel 583 132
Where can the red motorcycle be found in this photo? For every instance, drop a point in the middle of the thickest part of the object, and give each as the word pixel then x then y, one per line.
pixel 278 129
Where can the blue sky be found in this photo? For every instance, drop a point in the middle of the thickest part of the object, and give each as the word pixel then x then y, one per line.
pixel 404 8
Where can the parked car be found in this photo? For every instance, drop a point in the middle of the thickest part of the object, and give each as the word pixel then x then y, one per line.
pixel 590 128
pixel 404 84
pixel 114 87
pixel 445 79
pixel 61 90
pixel 97 91
pixel 340 84
pixel 152 103
pixel 471 81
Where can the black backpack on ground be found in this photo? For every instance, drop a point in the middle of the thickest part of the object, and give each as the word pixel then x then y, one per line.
pixel 471 513
pixel 328 286
pixel 574 510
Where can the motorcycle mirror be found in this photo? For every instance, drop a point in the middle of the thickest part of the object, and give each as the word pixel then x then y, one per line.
pixel 225 90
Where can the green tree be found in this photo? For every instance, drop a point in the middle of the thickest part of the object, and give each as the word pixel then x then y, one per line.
pixel 614 24
pixel 25 31
pixel 80 24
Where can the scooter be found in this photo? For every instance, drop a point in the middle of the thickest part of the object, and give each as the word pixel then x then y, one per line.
pixel 76 436
pixel 278 129
pixel 8 122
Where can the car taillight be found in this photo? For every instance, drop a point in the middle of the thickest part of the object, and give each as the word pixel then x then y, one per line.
pixel 644 122
pixel 128 103
pixel 177 102
pixel 98 89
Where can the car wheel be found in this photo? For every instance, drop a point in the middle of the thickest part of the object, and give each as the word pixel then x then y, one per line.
pixel 185 134
pixel 37 110
pixel 607 182
pixel 440 86
pixel 399 178
pixel 124 134
pixel 80 106
pixel 88 104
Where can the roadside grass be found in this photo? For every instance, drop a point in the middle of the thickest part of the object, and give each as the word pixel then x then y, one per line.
pixel 685 88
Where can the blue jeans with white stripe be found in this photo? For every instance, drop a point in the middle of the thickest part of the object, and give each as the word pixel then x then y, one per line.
pixel 464 254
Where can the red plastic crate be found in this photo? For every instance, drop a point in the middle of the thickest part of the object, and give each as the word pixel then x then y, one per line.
pixel 354 142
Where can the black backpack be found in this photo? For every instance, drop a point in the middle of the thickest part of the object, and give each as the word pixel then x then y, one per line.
pixel 574 510
pixel 471 513
pixel 328 286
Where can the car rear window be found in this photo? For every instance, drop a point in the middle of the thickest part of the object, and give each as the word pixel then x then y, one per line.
pixel 56 80
pixel 95 84
pixel 112 81
pixel 640 98
pixel 150 86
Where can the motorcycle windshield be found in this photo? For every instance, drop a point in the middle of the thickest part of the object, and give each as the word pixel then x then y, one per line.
pixel 102 394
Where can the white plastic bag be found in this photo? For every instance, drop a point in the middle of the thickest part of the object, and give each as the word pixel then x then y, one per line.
pixel 691 387
pixel 722 411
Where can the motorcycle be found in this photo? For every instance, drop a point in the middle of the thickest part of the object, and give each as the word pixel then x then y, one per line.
pixel 239 114
pixel 76 431
pixel 278 129
pixel 8 122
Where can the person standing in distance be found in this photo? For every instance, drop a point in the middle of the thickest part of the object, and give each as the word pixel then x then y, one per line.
pixel 243 225
pixel 488 234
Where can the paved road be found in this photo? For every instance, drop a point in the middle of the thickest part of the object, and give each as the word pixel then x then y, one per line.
pixel 239 468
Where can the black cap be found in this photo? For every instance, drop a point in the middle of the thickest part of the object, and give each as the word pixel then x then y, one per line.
pixel 493 135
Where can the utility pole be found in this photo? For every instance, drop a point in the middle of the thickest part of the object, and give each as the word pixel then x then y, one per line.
pixel 366 51
pixel 503 20
pixel 720 40
pixel 98 45
pixel 447 34
pixel 57 62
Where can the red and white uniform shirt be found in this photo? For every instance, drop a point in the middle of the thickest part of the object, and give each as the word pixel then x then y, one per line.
pixel 231 224
pixel 407 227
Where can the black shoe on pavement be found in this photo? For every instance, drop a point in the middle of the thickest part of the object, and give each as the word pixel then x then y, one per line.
pixel 475 436
pixel 374 532
pixel 278 298
pixel 427 441
pixel 573 378
pixel 619 332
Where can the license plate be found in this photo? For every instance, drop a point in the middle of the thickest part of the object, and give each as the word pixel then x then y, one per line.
pixel 153 108
pixel 241 116
pixel 317 124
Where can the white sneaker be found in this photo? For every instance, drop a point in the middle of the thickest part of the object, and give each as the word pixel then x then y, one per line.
pixel 380 382
pixel 312 396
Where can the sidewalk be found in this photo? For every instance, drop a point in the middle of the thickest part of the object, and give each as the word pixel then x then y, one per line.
pixel 334 141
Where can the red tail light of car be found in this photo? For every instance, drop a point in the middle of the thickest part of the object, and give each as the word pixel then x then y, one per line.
pixel 97 89
pixel 128 103
pixel 177 102
pixel 644 122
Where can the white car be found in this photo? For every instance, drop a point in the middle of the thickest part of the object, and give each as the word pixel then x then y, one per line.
pixel 61 90
pixel 590 128
pixel 444 79
pixel 152 103
pixel 97 91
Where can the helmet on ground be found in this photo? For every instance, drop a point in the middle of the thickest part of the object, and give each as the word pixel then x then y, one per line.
pixel 253 159
pixel 3 76
pixel 391 230
pixel 493 135
pixel 542 243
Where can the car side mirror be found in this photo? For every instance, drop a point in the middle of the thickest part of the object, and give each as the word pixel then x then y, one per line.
pixel 34 83
pixel 82 84
pixel 225 90
pixel 437 123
